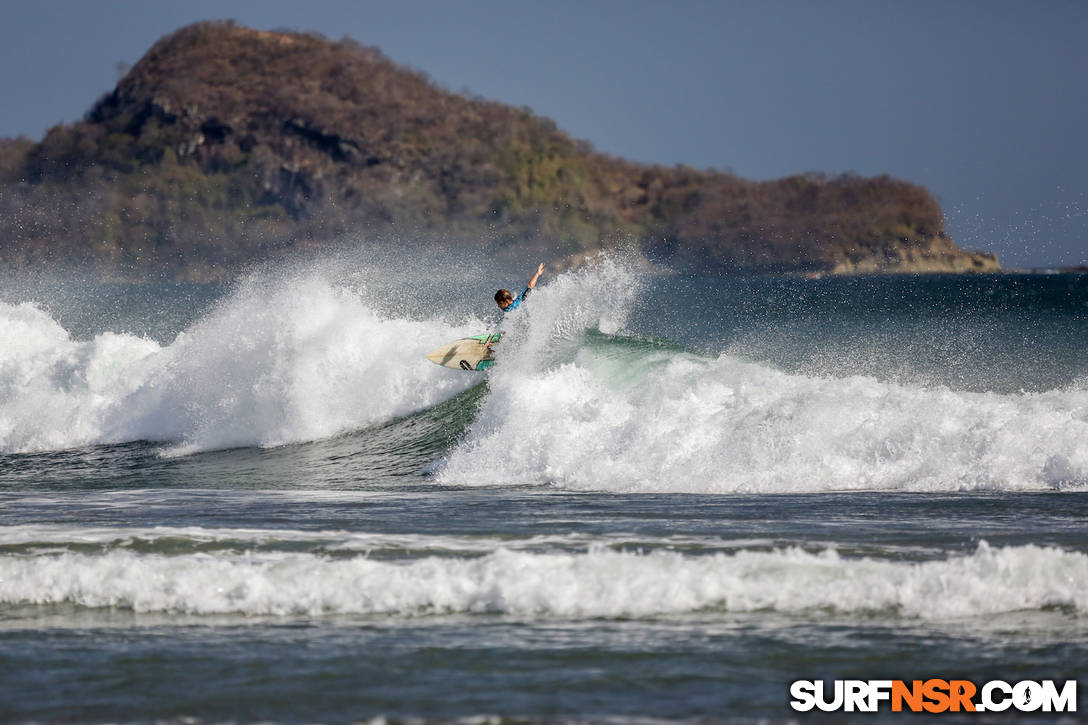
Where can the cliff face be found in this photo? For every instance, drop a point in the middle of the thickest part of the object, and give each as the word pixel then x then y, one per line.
pixel 224 144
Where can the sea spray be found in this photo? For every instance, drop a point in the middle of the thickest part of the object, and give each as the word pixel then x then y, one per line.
pixel 574 408
pixel 280 360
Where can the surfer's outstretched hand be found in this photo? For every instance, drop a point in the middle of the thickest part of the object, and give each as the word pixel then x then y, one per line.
pixel 539 271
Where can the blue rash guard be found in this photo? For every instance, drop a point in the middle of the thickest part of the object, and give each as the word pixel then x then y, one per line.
pixel 518 300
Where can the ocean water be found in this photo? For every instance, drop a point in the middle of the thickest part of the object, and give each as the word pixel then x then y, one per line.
pixel 671 497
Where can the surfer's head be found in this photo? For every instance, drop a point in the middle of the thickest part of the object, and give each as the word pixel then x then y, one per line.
pixel 503 298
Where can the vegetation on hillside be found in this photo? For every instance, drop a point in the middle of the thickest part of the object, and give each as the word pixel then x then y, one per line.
pixel 225 144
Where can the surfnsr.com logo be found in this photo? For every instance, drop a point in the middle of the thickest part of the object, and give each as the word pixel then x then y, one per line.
pixel 934 695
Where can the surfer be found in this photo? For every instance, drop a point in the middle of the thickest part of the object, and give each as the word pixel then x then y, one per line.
pixel 507 302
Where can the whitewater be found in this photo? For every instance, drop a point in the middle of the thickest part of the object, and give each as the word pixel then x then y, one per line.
pixel 285 361
pixel 595 583
pixel 671 496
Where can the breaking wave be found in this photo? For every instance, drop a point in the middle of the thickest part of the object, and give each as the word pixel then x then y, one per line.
pixel 576 401
pixel 594 583
pixel 276 362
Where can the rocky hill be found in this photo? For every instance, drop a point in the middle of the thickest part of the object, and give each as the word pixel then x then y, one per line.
pixel 225 144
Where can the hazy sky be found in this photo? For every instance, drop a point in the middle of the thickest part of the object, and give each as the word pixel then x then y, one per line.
pixel 984 103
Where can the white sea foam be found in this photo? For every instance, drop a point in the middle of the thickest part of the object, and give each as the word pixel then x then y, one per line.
pixel 300 358
pixel 278 362
pixel 596 583
pixel 683 423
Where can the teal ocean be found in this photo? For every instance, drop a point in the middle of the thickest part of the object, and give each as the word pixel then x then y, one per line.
pixel 672 496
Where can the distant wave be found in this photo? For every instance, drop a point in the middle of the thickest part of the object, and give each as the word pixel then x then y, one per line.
pixel 35 539
pixel 571 585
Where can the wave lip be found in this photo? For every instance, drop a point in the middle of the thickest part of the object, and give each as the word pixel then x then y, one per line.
pixel 597 583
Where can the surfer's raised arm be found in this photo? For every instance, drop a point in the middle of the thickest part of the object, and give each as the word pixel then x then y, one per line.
pixel 507 302
pixel 539 271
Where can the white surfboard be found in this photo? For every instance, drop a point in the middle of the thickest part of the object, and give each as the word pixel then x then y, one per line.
pixel 469 353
